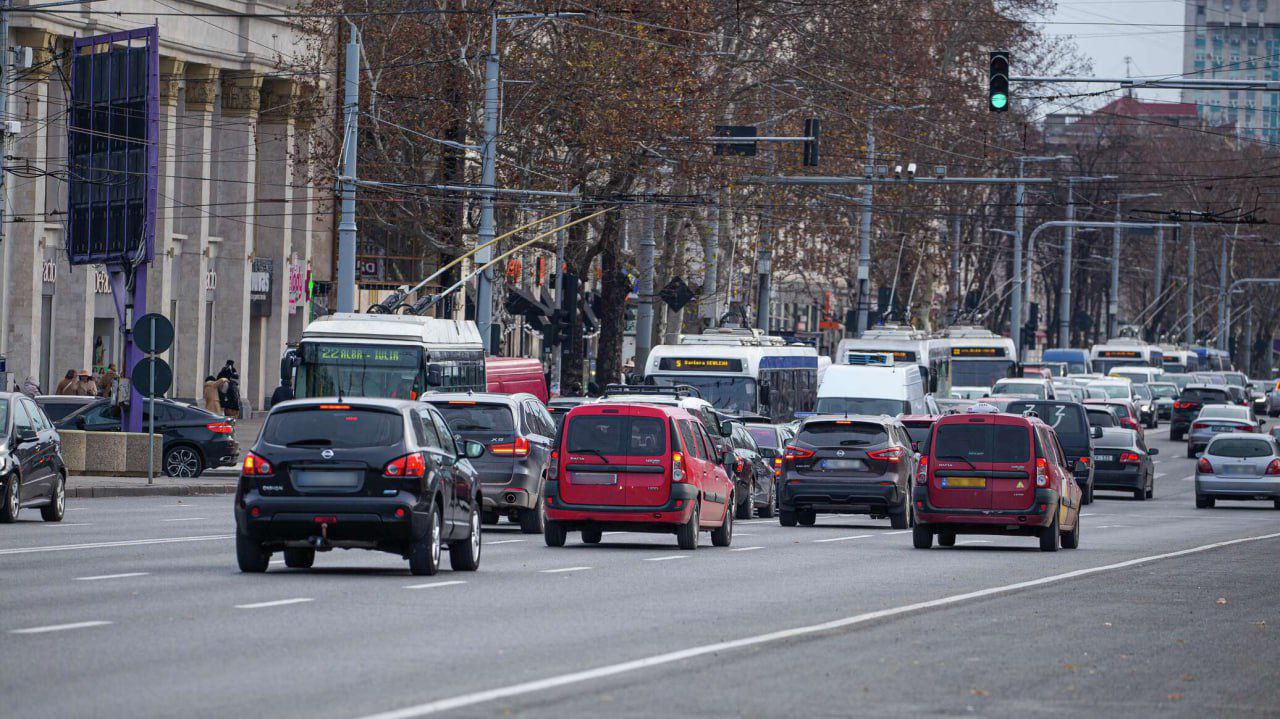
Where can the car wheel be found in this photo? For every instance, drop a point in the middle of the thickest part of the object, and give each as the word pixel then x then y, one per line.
pixel 12 503
pixel 1277 504
pixel 56 508
pixel 465 556
pixel 1204 502
pixel 182 461
pixel 946 537
pixel 424 553
pixel 687 533
pixel 722 536
pixel 1175 436
pixel 1071 540
pixel 1050 538
pixel 922 536
pixel 250 555
pixel 1151 486
pixel 553 533
pixel 592 535
pixel 1140 494
pixel 807 516
pixel 900 518
pixel 1191 452
pixel 743 509
pixel 490 516
pixel 1087 496
pixel 299 558
pixel 787 517
pixel 532 520
pixel 766 512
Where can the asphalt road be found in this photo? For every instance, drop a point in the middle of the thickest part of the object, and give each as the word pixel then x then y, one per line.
pixel 134 608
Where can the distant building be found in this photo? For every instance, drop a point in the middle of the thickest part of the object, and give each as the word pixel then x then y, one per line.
pixel 1236 40
pixel 1125 115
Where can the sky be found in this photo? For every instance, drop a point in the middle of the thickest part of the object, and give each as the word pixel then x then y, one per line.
pixel 1154 50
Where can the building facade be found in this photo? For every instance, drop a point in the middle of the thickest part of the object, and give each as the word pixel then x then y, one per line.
pixel 240 223
pixel 1234 40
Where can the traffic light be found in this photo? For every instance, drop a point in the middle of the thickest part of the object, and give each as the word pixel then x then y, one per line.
pixel 812 128
pixel 998 83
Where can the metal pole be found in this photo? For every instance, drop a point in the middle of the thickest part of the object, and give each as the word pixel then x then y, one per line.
pixel 557 352
pixel 864 248
pixel 5 76
pixel 956 286
pixel 1191 285
pixel 1015 297
pixel 1246 351
pixel 351 134
pixel 644 310
pixel 488 181
pixel 1064 300
pixel 1159 273
pixel 1223 300
pixel 1113 303
pixel 151 412
pixel 710 258
pixel 764 254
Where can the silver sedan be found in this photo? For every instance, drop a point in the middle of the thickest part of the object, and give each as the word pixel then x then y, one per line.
pixel 1239 465
pixel 1213 420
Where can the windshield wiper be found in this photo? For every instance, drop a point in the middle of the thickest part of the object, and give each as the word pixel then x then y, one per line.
pixel 853 442
pixel 317 441
pixel 588 450
pixel 956 456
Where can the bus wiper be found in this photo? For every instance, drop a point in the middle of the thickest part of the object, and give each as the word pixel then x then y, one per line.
pixel 956 456
pixel 316 441
pixel 588 450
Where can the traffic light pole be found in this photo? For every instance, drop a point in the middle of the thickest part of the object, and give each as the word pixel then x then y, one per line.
pixel 864 239
pixel 644 308
pixel 1191 285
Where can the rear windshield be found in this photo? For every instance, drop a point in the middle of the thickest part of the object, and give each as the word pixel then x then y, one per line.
pixel 918 434
pixel 1069 422
pixel 842 433
pixel 477 417
pixel 982 442
pixel 765 437
pixel 1102 418
pixel 1164 390
pixel 1215 411
pixel 1115 440
pixel 1239 447
pixel 616 435
pixel 343 428
pixel 861 405
pixel 1211 396
pixel 1034 388
pixel 1114 391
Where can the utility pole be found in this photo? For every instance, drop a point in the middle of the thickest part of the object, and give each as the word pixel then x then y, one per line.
pixel 955 264
pixel 351 135
pixel 1191 285
pixel 1064 298
pixel 557 352
pixel 864 238
pixel 644 309
pixel 764 253
pixel 1223 299
pixel 488 181
pixel 5 77
pixel 1018 296
pixel 710 258
pixel 1159 276
pixel 1113 305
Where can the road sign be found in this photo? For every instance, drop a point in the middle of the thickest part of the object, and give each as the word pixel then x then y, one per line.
pixel 676 294
pixel 153 333
pixel 152 377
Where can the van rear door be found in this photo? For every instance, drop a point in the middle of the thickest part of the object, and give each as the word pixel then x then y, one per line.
pixel 959 463
pixel 1013 467
pixel 594 450
pixel 646 476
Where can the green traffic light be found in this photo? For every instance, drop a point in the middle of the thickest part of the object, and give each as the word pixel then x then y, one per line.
pixel 999 100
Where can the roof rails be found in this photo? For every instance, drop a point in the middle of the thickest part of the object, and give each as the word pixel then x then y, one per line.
pixel 740 336
pixel 679 390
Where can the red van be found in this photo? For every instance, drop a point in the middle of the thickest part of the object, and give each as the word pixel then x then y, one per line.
pixel 509 375
pixel 994 473
pixel 637 468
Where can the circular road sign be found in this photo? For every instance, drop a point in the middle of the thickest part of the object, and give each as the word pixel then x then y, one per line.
pixel 141 377
pixel 153 333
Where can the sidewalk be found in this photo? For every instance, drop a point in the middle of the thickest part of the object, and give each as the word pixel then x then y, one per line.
pixel 81 487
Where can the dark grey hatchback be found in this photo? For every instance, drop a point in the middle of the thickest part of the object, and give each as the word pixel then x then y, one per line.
pixel 362 473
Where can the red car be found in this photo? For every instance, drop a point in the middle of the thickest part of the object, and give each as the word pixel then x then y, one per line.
pixel 637 468
pixel 918 428
pixel 993 473
pixel 1126 413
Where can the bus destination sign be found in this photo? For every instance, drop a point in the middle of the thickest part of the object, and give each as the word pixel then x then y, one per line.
pixel 977 352
pixel 700 364
pixel 1128 354
pixel 370 355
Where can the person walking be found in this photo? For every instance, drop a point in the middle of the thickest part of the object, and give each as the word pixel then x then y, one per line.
pixel 85 386
pixel 30 387
pixel 231 391
pixel 213 394
pixel 68 383
pixel 107 382
pixel 283 393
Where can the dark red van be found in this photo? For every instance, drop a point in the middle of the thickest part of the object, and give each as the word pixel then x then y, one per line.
pixel 994 473
pixel 637 468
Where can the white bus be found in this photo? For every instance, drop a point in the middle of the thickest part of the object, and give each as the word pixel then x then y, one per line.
pixel 773 380
pixel 1124 351
pixel 978 356
pixel 907 346
pixel 1179 360
pixel 372 355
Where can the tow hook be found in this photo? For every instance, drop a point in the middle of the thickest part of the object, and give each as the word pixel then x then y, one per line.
pixel 321 542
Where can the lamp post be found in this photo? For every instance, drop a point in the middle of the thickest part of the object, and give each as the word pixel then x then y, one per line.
pixel 1113 306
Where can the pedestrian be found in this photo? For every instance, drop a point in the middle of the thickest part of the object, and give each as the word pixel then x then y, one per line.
pixel 212 394
pixel 68 383
pixel 231 399
pixel 228 371
pixel 85 386
pixel 30 387
pixel 107 381
pixel 283 393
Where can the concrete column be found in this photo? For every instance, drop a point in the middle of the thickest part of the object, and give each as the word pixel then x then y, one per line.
pixel 191 225
pixel 161 284
pixel 273 238
pixel 304 208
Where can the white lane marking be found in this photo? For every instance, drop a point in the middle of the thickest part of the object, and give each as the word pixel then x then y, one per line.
pixel 663 559
pixel 841 539
pixel 502 541
pixel 184 519
pixel 563 569
pixel 76 509
pixel 275 603
pixel 432 585
pixel 277 561
pixel 58 627
pixel 68 524
pixel 744 549
pixel 975 541
pixel 608 670
pixel 123 543
pixel 900 531
pixel 743 534
pixel 112 576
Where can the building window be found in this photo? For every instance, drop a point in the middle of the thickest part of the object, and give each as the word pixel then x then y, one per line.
pixel 1262 5
pixel 1244 5
pixel 1226 5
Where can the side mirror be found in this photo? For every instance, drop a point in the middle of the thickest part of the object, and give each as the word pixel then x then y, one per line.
pixel 435 375
pixel 290 361
pixel 1153 451
pixel 765 392
pixel 472 449
pixel 726 428
pixel 1095 431
pixel 27 436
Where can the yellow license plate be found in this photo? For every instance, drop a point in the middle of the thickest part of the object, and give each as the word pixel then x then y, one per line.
pixel 964 482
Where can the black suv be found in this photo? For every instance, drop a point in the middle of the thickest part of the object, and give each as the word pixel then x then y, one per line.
pixel 31 470
pixel 1189 402
pixel 1070 421
pixel 847 465
pixel 364 473
pixel 194 439
pixel 520 436
pixel 752 473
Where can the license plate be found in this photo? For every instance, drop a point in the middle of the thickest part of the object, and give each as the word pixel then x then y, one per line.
pixel 842 464
pixel 592 478
pixel 1221 428
pixel 964 482
pixel 1104 457
pixel 326 479
pixel 1239 471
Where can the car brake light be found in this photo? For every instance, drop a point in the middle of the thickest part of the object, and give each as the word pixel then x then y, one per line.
pixel 255 466
pixel 1203 466
pixel 220 427
pixel 1183 405
pixel 1083 460
pixel 1274 467
pixel 1042 472
pixel 793 453
pixel 335 406
pixel 890 454
pixel 1130 458
pixel 777 466
pixel 553 470
pixel 1199 425
pixel 677 467
pixel 922 475
pixel 518 448
pixel 737 466
pixel 410 465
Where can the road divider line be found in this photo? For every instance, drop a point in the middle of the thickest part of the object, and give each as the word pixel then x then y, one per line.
pixel 59 627
pixel 67 524
pixel 841 539
pixel 564 569
pixel 275 603
pixel 112 576
pixel 663 559
pixel 433 585
pixel 745 549
pixel 502 541
pixel 609 670
pixel 184 519
pixel 900 531
pixel 122 543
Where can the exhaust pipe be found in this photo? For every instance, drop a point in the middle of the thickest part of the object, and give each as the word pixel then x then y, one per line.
pixel 510 497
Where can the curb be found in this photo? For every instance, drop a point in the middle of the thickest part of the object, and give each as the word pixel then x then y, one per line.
pixel 155 490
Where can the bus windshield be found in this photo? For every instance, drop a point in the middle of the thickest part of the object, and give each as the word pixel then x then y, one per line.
pixel 979 372
pixel 730 394
pixel 1105 365
pixel 331 370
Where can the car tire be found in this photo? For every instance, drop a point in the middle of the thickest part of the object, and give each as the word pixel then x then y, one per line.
pixel 1191 452
pixel 722 536
pixel 182 461
pixel 946 537
pixel 1277 504
pixel 787 517
pixel 491 516
pixel 1071 540
pixel 1151 486
pixel 687 533
pixel 532 520
pixel 554 533
pixel 1174 435
pixel 1086 497
pixel 299 558
pixel 766 512
pixel 745 508
pixel 1050 537
pixel 900 518
pixel 424 553
pixel 57 506
pixel 11 502
pixel 1140 494
pixel 250 555
pixel 464 556
pixel 1204 502
pixel 592 535
pixel 807 517
pixel 922 536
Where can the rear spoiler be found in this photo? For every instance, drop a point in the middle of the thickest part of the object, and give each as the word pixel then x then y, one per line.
pixel 680 390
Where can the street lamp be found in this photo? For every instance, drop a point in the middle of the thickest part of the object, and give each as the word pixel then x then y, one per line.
pixel 1113 307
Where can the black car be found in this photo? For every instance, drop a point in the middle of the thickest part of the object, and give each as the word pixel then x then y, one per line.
pixel 1189 402
pixel 31 470
pixel 770 440
pixel 847 465
pixel 380 474
pixel 194 439
pixel 520 436
pixel 1070 421
pixel 753 474
pixel 1122 462
pixel 57 406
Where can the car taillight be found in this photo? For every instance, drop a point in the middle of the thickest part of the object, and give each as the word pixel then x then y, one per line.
pixel 793 453
pixel 922 472
pixel 677 467
pixel 1199 425
pixel 410 465
pixel 1083 460
pixel 255 466
pixel 738 466
pixel 518 448
pixel 1183 405
pixel 1042 472
pixel 553 469
pixel 890 454
pixel 1203 466
pixel 1274 467
pixel 1130 458
pixel 1129 423
pixel 220 427
pixel 777 466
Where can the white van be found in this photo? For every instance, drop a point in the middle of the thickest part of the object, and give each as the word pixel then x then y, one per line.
pixel 872 389
pixel 1137 375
